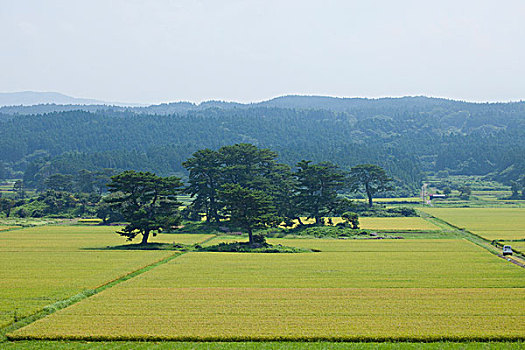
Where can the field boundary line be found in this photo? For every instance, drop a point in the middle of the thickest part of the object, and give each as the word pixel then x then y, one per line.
pixel 305 339
pixel 15 228
pixel 209 239
pixel 21 226
pixel 156 263
pixel 471 237
pixel 64 303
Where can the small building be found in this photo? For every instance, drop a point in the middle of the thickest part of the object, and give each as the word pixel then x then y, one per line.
pixel 439 196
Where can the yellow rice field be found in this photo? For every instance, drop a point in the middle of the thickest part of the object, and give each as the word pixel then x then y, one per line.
pixel 490 223
pixel 42 265
pixel 352 290
pixel 392 200
pixel 396 223
pixel 287 314
pixel 56 238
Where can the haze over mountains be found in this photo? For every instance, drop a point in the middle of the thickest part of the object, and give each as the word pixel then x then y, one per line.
pixel 30 102
pixel 30 98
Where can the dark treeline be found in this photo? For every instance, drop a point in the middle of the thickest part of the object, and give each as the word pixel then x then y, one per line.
pixel 61 195
pixel 242 184
pixel 407 137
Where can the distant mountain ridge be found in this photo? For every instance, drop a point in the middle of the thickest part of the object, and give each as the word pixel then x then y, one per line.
pixel 35 98
pixel 20 103
pixel 409 136
pixel 30 98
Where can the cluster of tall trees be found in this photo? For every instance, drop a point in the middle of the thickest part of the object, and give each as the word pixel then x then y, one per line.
pixel 84 181
pixel 75 194
pixel 244 185
pixel 50 203
pixel 247 185
pixel 43 176
pixel 146 201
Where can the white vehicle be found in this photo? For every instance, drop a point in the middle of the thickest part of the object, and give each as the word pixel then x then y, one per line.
pixel 507 250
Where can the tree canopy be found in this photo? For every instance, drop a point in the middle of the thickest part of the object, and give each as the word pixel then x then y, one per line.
pixel 147 201
pixel 371 179
pixel 248 187
pixel 318 185
pixel 248 208
pixel 205 178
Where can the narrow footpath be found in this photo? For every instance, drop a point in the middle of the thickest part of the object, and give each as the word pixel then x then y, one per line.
pixel 516 258
pixel 62 304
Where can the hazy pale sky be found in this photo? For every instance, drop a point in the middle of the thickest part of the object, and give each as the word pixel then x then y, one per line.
pixel 161 50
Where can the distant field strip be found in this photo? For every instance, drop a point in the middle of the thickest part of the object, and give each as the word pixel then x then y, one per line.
pixel 6 228
pixel 363 245
pixel 42 265
pixel 26 222
pixel 68 238
pixel 183 238
pixel 386 246
pixel 424 290
pixel 392 200
pixel 396 224
pixel 387 224
pixel 490 223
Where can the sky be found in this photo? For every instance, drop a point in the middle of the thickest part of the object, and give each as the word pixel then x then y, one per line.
pixel 142 51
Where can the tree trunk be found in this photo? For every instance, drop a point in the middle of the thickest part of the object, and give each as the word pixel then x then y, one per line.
pixel 208 215
pixel 213 210
pixel 318 220
pixel 250 236
pixel 369 195
pixel 145 236
pixel 216 215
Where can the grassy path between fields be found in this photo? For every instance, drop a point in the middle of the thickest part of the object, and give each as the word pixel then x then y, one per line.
pixel 517 259
pixel 12 229
pixel 140 345
pixel 62 304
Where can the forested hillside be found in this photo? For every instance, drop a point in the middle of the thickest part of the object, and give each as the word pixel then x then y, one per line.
pixel 407 136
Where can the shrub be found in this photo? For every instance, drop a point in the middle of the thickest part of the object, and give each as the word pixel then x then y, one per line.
pixel 390 212
pixel 403 211
pixel 325 231
pixel 245 247
pixel 351 218
pixel 20 212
